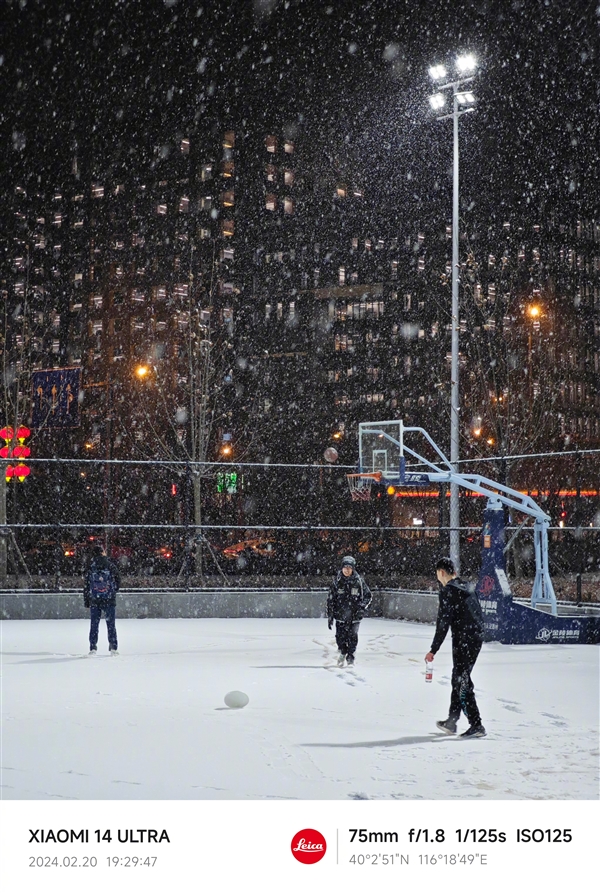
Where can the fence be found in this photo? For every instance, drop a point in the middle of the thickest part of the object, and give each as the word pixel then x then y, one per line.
pixel 264 521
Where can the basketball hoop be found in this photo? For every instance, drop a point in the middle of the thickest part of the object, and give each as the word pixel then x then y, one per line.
pixel 360 485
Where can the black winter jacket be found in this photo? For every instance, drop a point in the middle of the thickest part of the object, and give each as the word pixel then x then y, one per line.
pixel 460 611
pixel 348 598
pixel 99 562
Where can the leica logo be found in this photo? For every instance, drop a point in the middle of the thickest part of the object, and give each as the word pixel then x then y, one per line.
pixel 308 846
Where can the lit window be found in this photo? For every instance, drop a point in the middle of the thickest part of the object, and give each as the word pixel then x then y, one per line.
pixel 184 204
pixel 227 199
pixel 271 144
pixel 288 177
pixel 184 147
pixel 271 173
pixel 57 220
pixel 342 276
pixel 227 168
pixel 227 228
pixel 270 201
pixel 227 254
pixel 229 139
pixel 203 233
pixel 206 172
pixel 341 191
pixel 161 209
pixel 288 147
pixel 97 190
pixel 288 206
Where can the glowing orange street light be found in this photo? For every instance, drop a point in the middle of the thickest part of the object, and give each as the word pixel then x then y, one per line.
pixel 142 371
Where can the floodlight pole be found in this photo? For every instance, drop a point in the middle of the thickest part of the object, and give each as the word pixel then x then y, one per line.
pixel 457 89
pixel 454 390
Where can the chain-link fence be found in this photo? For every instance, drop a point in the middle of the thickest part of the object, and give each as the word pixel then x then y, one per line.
pixel 268 523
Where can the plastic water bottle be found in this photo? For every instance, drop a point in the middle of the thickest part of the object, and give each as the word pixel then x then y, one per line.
pixel 429 671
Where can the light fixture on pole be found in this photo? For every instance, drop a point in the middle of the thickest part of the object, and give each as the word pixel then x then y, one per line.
pixel 462 104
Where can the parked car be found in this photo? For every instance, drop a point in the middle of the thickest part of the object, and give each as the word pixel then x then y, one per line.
pixel 251 555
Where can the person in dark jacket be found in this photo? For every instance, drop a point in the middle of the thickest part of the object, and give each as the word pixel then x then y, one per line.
pixel 349 597
pixel 459 611
pixel 100 587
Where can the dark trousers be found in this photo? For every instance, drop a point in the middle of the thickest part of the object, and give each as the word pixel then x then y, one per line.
pixel 346 636
pixel 95 615
pixel 462 699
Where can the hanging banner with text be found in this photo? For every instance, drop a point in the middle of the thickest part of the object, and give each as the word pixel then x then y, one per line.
pixel 55 398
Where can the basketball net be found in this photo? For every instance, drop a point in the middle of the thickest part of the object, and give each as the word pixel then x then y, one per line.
pixel 360 485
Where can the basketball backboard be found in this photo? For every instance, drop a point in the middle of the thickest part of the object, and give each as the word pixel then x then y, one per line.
pixel 381 448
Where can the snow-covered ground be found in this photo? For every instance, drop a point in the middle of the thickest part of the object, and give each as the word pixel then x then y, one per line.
pixel 151 723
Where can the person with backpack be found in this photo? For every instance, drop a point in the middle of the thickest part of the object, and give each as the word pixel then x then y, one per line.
pixel 460 612
pixel 101 584
pixel 348 599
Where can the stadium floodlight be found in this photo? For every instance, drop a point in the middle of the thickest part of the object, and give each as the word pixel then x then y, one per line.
pixel 467 62
pixel 437 72
pixel 462 102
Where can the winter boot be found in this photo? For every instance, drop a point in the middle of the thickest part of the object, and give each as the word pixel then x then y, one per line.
pixel 340 659
pixel 447 725
pixel 350 660
pixel 474 732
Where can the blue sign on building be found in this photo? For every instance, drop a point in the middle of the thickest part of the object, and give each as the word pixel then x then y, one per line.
pixel 56 398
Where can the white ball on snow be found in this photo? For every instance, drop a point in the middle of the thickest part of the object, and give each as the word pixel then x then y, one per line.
pixel 236 699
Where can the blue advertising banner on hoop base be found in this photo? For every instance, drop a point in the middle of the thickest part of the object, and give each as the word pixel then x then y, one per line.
pixel 56 398
pixel 509 622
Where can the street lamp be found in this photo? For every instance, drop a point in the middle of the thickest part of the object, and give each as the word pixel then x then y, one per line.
pixel 462 104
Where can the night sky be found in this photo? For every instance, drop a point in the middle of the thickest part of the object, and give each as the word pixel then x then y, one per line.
pixel 130 73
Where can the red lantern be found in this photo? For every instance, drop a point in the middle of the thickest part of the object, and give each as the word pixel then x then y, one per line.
pixel 5 452
pixel 9 472
pixel 22 433
pixel 20 452
pixel 7 433
pixel 21 472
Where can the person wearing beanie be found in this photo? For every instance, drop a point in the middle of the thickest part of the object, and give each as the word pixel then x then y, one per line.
pixel 348 599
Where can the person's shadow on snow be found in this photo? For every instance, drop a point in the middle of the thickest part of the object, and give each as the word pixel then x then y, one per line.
pixel 393 742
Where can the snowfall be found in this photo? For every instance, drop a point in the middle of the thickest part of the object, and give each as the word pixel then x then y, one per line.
pixel 151 723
